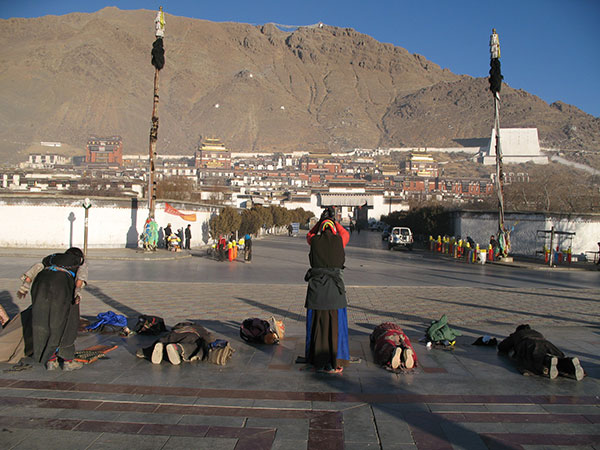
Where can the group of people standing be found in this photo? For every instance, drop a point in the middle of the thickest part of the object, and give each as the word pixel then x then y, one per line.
pixel 181 239
pixel 228 249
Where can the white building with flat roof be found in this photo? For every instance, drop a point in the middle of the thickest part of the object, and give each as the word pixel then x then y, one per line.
pixel 518 145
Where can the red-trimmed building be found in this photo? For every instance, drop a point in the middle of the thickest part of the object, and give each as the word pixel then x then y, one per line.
pixel 104 150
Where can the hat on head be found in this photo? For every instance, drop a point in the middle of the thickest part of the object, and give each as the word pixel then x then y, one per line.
pixel 328 223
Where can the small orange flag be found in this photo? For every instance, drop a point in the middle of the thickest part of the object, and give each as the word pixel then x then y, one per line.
pixel 187 217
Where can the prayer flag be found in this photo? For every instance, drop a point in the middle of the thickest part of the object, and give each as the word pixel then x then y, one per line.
pixel 187 217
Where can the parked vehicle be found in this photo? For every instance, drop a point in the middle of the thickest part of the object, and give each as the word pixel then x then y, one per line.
pixel 400 237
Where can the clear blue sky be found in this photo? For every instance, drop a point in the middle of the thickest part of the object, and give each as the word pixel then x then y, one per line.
pixel 550 48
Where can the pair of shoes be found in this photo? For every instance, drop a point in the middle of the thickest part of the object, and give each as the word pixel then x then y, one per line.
pixel 52 365
pixel 550 369
pixel 69 365
pixel 396 358
pixel 174 353
pixel 572 368
pixel 408 358
pixel 157 353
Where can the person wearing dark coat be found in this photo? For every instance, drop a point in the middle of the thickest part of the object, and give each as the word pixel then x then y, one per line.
pixel 534 353
pixel 326 318
pixel 185 342
pixel 55 310
pixel 188 237
pixel 168 233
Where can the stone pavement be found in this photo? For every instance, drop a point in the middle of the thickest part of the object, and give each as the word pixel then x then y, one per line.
pixel 469 397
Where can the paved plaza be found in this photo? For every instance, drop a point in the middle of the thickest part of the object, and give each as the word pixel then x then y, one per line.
pixel 469 397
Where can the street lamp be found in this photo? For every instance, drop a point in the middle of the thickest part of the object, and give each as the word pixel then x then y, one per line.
pixel 87 204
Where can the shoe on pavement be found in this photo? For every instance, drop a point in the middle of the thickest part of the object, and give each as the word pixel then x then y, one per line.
pixel 173 352
pixel 52 365
pixel 408 359
pixel 550 369
pixel 72 365
pixel 396 358
pixel 157 353
pixel 571 368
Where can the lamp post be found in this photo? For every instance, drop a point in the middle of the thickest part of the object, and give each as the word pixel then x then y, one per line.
pixel 87 204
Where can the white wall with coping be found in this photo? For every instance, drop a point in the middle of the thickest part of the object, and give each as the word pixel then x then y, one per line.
pixel 524 237
pixel 43 222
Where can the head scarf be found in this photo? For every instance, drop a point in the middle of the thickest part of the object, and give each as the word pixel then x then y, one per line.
pixel 328 223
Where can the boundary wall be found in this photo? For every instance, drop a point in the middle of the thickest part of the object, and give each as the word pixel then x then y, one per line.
pixel 31 221
pixel 524 236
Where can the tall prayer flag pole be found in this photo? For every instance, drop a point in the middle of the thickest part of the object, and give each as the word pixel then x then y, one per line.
pixel 495 86
pixel 158 61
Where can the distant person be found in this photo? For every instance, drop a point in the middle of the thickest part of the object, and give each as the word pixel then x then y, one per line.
pixel 598 260
pixel 221 247
pixel 533 353
pixel 326 345
pixel 168 233
pixel 180 236
pixel 188 237
pixel 248 248
pixel 493 243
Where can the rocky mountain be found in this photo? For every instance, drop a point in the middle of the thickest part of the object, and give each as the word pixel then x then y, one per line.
pixel 64 78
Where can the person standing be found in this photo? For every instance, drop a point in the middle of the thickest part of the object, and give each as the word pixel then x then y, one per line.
pixel 181 238
pixel 326 317
pixel 188 237
pixel 168 232
pixel 248 248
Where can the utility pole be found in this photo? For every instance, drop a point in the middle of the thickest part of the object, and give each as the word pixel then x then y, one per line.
pixel 495 86
pixel 158 61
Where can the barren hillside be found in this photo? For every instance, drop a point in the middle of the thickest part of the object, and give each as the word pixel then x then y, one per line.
pixel 63 78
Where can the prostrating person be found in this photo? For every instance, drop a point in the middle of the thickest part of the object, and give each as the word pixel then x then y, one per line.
pixel 326 317
pixel 534 353
pixel 55 309
pixel 391 347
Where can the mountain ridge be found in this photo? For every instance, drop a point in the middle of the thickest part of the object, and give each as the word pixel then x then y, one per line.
pixel 256 87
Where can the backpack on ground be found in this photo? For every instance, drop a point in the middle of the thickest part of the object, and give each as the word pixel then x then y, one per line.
pixel 254 330
pixel 221 353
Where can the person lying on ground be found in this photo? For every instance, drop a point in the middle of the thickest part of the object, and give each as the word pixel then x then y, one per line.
pixel 187 342
pixel 391 347
pixel 534 353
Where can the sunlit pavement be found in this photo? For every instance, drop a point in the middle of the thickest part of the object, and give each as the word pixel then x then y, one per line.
pixel 468 397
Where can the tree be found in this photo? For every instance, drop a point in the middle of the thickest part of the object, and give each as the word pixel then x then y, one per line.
pixel 281 216
pixel 266 216
pixel 227 221
pixel 251 222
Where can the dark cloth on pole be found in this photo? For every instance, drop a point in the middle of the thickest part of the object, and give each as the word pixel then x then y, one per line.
pixel 158 54
pixel 495 76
